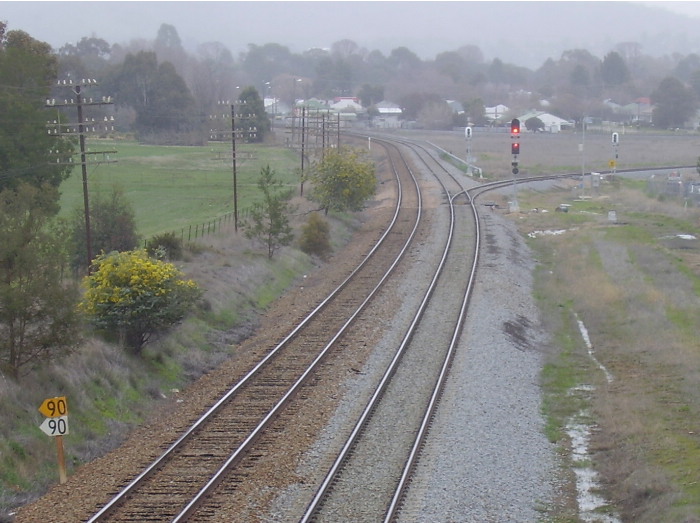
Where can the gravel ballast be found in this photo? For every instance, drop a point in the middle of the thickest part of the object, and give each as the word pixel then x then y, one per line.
pixel 486 458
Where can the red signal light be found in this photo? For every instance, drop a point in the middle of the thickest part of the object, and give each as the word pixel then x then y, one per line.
pixel 515 126
pixel 515 148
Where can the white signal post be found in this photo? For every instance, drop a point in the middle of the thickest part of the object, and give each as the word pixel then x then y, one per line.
pixel 468 137
pixel 56 425
pixel 615 143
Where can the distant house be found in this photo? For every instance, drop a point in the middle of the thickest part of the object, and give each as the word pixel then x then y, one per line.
pixel 552 124
pixel 638 111
pixel 496 113
pixel 312 104
pixel 389 115
pixel 347 105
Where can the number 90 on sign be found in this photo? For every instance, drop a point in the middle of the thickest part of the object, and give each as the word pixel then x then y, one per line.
pixel 55 426
pixel 54 407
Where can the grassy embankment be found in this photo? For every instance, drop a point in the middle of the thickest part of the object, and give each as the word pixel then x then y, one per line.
pixel 634 284
pixel 111 391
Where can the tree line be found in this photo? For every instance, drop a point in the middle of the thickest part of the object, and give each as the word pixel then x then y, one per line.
pixel 159 86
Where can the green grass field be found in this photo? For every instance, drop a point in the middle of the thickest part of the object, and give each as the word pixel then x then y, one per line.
pixel 171 188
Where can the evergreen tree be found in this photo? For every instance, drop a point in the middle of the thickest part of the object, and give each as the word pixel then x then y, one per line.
pixel 613 70
pixel 674 103
pixel 269 222
pixel 38 317
pixel 252 107
pixel 27 71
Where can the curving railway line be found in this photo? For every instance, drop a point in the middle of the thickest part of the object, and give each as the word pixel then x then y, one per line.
pixel 219 450
pixel 388 437
pixel 214 470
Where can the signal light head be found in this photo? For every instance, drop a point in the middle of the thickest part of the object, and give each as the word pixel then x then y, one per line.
pixel 515 148
pixel 515 126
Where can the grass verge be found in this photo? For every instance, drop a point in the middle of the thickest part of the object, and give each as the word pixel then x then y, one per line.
pixel 633 283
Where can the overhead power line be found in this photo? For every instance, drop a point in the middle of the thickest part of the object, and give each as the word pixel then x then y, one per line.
pixel 83 127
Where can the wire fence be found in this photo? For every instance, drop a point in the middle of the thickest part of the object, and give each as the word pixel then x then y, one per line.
pixel 200 230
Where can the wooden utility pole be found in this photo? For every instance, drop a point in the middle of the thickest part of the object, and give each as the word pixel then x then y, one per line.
pixel 84 126
pixel 216 135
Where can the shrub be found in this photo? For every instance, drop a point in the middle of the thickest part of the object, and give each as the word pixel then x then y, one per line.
pixel 136 296
pixel 167 243
pixel 343 180
pixel 315 236
pixel 112 227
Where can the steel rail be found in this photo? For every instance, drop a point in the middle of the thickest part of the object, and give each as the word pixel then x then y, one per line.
pixel 326 485
pixel 220 474
pixel 411 461
pixel 166 455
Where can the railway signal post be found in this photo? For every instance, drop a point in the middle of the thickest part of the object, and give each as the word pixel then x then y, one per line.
pixel 468 137
pixel 515 151
pixel 615 144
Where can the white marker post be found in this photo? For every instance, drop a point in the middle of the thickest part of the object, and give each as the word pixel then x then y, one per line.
pixel 56 425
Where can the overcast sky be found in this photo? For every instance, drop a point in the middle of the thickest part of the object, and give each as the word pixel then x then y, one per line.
pixel 522 32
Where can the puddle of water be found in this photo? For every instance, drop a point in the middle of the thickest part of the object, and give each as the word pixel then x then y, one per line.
pixel 549 232
pixel 591 354
pixel 590 503
pixel 535 234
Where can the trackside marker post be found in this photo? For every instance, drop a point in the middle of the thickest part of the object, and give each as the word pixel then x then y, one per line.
pixel 56 425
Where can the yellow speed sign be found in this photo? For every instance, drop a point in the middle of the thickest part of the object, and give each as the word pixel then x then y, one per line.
pixel 54 407
pixel 612 163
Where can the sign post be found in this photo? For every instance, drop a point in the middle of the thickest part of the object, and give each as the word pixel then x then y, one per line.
pixel 56 425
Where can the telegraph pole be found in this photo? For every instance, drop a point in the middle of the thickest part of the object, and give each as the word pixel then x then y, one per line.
pixel 216 135
pixel 82 129
pixel 303 152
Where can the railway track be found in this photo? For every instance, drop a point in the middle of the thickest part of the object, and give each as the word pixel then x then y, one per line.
pixel 387 436
pixel 210 473
pixel 370 477
pixel 220 446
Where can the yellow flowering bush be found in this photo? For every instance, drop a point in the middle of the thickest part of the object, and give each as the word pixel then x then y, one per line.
pixel 136 296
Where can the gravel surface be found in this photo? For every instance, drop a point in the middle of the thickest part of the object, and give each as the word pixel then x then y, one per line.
pixel 486 458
